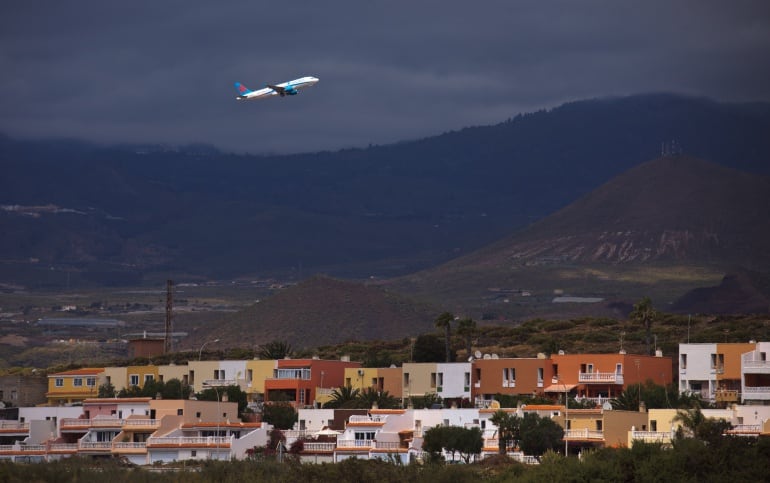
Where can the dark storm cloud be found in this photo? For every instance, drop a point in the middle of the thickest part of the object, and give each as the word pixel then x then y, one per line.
pixel 163 71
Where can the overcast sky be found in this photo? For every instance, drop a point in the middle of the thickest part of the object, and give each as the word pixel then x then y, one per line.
pixel 163 71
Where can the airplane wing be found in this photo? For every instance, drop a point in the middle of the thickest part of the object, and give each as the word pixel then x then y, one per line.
pixel 280 90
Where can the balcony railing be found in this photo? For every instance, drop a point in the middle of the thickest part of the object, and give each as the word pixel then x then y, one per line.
pixel 651 436
pixel 92 423
pixel 583 434
pixel 145 423
pixel 220 382
pixel 753 363
pixel 355 443
pixel 509 383
pixel 14 425
pixel 756 392
pixel 95 445
pixel 222 441
pixel 600 378
pixel 357 418
pixel 129 447
pixel 389 445
pixel 325 447
pixel 63 447
pixel 746 428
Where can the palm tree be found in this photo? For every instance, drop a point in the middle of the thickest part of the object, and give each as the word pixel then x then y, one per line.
pixel 508 426
pixel 369 396
pixel 645 314
pixel 467 328
pixel 277 349
pixel 444 321
pixel 343 397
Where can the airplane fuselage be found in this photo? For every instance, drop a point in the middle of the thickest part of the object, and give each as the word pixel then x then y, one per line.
pixel 289 88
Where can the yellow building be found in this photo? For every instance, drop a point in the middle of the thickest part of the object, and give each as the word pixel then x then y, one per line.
pixel 139 375
pixel 256 373
pixel 73 386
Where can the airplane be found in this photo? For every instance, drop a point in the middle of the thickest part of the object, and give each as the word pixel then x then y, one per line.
pixel 284 89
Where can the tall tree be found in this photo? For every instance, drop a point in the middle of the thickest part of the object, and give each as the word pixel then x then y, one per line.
pixel 645 314
pixel 467 329
pixel 444 321
pixel 508 426
pixel 277 349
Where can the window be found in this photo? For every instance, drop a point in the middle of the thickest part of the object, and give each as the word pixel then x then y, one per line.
pixel 180 412
pixel 13 395
pixel 618 369
pixel 249 375
pixel 193 453
pixel 440 378
pixel 683 361
pixel 90 381
pixel 148 378
pixel 467 379
pixel 598 424
pixel 77 382
pixel 406 379
pixel 540 374
pixel 432 379
pixel 133 380
pixel 653 425
pixel 59 382
pixel 198 414
pixel 713 361
pixel 365 436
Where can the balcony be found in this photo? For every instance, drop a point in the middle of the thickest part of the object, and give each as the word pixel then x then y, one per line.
pixel 600 378
pixel 360 419
pixel 509 383
pixel 651 436
pixel 752 363
pixel 726 395
pixel 756 393
pixel 584 435
pixel 134 424
pixel 75 424
pixel 387 445
pixel 63 448
pixel 182 441
pixel 95 446
pixel 220 382
pixel 319 447
pixel 745 429
pixel 14 425
pixel 129 448
pixel 355 443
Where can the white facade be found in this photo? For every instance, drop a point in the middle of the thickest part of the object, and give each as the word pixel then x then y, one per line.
pixel 696 371
pixel 454 380
pixel 755 375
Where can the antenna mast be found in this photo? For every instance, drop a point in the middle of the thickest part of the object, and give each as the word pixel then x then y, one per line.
pixel 169 315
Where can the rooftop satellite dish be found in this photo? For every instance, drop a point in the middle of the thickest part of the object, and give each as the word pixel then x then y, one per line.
pixel 477 354
pixel 607 406
pixel 495 404
pixel 495 356
pixel 487 356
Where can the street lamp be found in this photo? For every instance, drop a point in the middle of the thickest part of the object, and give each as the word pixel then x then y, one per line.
pixel 566 413
pixel 200 352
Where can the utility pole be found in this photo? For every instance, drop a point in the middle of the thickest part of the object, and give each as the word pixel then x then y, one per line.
pixel 169 315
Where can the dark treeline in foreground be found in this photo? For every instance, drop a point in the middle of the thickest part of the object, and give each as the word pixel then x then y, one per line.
pixel 723 458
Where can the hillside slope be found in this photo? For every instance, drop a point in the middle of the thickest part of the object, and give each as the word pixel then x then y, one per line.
pixel 662 228
pixel 323 310
pixel 123 214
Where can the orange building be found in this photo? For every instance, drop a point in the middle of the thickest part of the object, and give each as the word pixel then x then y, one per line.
pixel 296 380
pixel 509 376
pixel 606 375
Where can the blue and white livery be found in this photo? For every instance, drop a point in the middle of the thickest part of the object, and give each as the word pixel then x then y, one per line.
pixel 284 89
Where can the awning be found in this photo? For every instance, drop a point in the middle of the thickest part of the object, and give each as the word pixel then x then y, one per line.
pixel 560 387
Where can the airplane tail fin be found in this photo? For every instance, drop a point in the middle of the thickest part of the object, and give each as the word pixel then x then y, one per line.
pixel 242 89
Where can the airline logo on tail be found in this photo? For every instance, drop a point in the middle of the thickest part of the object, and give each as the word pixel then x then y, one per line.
pixel 290 88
